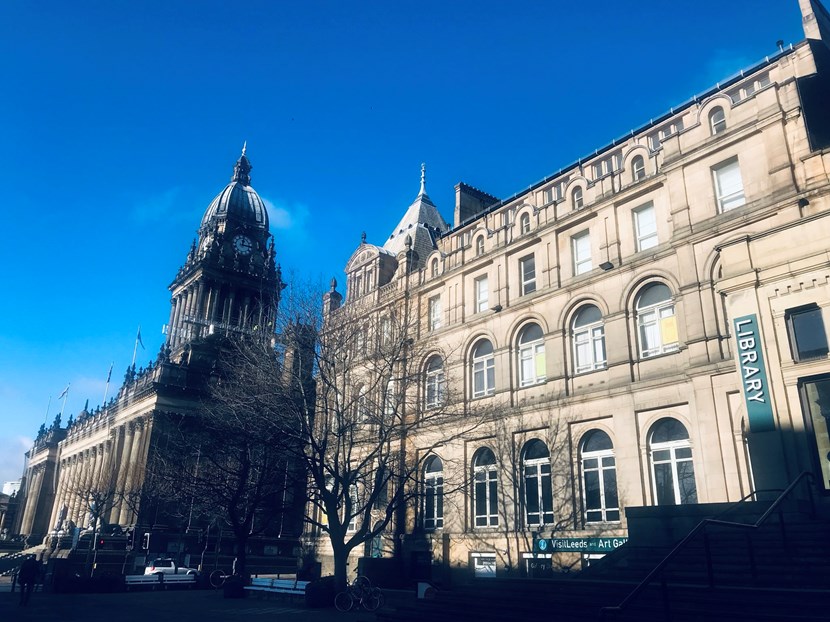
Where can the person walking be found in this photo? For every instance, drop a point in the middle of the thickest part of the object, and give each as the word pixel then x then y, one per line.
pixel 26 576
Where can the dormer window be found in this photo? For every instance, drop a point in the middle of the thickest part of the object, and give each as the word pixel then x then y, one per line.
pixel 577 199
pixel 524 224
pixel 433 267
pixel 479 246
pixel 638 168
pixel 717 121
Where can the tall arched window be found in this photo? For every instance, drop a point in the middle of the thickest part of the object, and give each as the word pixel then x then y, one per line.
pixel 717 120
pixel 483 369
pixel 479 246
pixel 485 489
pixel 433 267
pixel 362 406
pixel 638 168
pixel 576 198
pixel 524 223
pixel 390 401
pixel 433 508
pixel 599 478
pixel 531 353
pixel 672 469
pixel 435 386
pixel 538 494
pixel 656 322
pixel 588 334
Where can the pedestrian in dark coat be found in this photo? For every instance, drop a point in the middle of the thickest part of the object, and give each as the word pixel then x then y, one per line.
pixel 26 576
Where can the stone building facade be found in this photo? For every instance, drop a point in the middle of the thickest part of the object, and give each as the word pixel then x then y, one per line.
pixel 650 320
pixel 229 284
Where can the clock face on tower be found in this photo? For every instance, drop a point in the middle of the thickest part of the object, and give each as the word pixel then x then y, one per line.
pixel 243 244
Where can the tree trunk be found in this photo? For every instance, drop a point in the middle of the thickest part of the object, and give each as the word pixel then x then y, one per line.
pixel 241 561
pixel 341 559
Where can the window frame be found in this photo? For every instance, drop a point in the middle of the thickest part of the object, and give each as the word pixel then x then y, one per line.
pixel 524 224
pixel 433 486
pixel 435 383
pixel 532 352
pixel 673 447
pixel 790 317
pixel 662 310
pixel 538 471
pixel 593 335
pixel 717 126
pixel 581 265
pixel 485 479
pixel 733 200
pixel 638 172
pixel 577 198
pixel 641 238
pixel 606 464
pixel 483 366
pixel 481 286
pixel 434 313
pixel 433 267
pixel 479 242
pixel 527 277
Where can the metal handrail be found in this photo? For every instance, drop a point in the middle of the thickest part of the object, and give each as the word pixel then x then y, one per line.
pixel 701 526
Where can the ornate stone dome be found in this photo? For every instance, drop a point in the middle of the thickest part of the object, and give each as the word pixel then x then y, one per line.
pixel 238 201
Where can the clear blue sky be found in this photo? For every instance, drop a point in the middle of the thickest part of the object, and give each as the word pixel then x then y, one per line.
pixel 121 120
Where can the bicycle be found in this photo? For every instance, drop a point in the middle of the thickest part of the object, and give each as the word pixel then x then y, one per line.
pixel 360 593
pixel 217 578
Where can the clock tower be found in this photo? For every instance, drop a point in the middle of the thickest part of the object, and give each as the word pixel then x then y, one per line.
pixel 229 283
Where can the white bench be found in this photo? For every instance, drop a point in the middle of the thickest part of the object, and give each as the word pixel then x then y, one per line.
pixel 161 579
pixel 277 586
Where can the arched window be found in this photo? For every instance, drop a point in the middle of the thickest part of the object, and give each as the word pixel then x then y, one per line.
pixel 390 401
pixel 638 168
pixel 656 322
pixel 531 352
pixel 433 508
pixel 588 333
pixel 362 405
pixel 599 477
pixel 576 198
pixel 717 120
pixel 435 386
pixel 524 223
pixel 433 267
pixel 485 489
pixel 479 246
pixel 483 369
pixel 673 472
pixel 538 494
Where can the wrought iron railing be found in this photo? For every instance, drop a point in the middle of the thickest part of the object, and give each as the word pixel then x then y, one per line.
pixel 659 571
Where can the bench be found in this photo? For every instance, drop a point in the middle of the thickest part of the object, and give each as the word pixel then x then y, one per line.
pixel 161 579
pixel 291 587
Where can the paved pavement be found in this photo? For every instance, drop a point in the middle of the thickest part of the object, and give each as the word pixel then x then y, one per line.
pixel 164 606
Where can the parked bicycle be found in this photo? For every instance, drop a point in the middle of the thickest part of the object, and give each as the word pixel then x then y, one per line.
pixel 217 578
pixel 359 594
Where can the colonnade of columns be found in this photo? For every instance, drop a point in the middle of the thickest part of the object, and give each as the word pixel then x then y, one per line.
pixel 207 304
pixel 109 470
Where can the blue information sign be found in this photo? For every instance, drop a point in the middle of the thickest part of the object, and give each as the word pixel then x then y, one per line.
pixel 754 374
pixel 578 545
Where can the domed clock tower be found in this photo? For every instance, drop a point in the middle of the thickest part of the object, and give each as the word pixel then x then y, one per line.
pixel 229 283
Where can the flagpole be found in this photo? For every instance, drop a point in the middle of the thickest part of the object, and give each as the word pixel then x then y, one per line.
pixel 135 346
pixel 107 386
pixel 65 395
pixel 46 418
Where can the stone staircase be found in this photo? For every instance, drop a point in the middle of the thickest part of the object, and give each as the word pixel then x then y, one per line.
pixel 778 572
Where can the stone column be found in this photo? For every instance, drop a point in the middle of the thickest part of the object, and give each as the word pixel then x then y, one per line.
pixel 129 481
pixel 60 485
pixel 32 492
pixel 117 442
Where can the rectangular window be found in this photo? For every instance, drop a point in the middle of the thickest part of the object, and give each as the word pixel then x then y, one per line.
pixel 548 195
pixel 645 227
pixel 805 328
pixel 815 403
pixel 435 313
pixel 581 245
pixel 527 272
pixel 729 187
pixel 482 294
